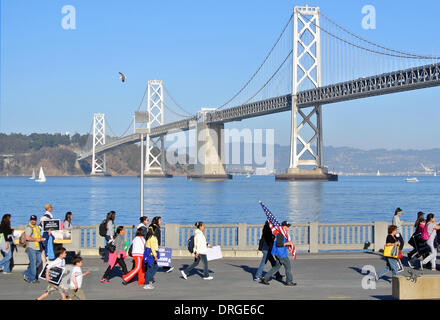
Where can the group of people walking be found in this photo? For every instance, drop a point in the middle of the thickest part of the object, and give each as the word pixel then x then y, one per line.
pixel 144 249
pixel 424 241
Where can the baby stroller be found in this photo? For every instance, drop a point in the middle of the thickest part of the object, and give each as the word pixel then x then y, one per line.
pixel 421 247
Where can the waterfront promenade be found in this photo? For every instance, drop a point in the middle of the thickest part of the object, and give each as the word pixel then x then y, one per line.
pixel 321 276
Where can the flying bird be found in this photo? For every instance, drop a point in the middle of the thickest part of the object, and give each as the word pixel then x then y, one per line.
pixel 122 76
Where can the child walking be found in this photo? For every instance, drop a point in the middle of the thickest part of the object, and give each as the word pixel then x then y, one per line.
pixel 138 257
pixel 76 278
pixel 59 262
pixel 151 266
pixel 117 256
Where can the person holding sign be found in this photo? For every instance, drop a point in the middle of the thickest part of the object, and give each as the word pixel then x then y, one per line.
pixel 33 249
pixel 200 250
pixel 59 263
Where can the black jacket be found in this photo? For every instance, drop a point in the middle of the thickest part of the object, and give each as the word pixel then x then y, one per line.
pixel 267 238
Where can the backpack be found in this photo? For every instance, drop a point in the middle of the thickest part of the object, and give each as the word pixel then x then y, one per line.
pixel 103 229
pixel 22 240
pixel 191 244
pixel 425 234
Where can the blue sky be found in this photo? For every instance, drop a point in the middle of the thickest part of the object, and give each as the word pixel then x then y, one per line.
pixel 53 80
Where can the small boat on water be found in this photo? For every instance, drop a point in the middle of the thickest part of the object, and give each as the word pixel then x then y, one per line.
pixel 41 176
pixel 33 175
pixel 378 173
pixel 412 180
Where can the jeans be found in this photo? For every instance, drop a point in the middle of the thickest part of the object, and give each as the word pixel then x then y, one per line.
pixel 281 262
pixel 6 261
pixel 34 256
pixel 432 257
pixel 391 265
pixel 107 239
pixel 266 256
pixel 202 257
pixel 151 271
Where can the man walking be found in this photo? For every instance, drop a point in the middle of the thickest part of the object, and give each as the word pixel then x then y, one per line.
pixel 33 250
pixel 279 250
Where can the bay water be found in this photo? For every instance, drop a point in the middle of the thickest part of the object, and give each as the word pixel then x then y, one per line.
pixel 184 201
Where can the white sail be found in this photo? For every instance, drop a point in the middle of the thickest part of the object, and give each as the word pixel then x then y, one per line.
pixel 33 175
pixel 378 173
pixel 41 176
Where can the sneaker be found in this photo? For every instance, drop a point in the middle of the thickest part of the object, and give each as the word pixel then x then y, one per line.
pixel 264 281
pixel 35 281
pixel 208 278
pixel 103 280
pixel 5 272
pixel 170 269
pixel 26 278
pixel 184 275
pixel 290 284
pixel 124 282
pixel 149 287
pixel 257 280
pixel 410 265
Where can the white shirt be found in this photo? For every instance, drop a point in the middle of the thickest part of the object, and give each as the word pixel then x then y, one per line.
pixel 200 245
pixel 60 263
pixel 138 246
pixel 76 273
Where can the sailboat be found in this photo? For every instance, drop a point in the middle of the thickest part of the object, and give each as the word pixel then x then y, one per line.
pixel 41 176
pixel 33 175
pixel 378 173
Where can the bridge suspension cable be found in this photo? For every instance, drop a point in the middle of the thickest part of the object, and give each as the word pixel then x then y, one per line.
pixel 401 53
pixel 260 67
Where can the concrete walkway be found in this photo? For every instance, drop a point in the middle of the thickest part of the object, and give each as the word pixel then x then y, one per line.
pixel 319 276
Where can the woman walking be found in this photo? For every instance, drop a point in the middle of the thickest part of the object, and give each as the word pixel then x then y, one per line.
pixel 110 226
pixel 117 256
pixel 151 266
pixel 417 230
pixel 138 254
pixel 5 229
pixel 156 223
pixel 396 222
pixel 266 244
pixel 391 262
pixel 67 223
pixel 431 229
pixel 200 250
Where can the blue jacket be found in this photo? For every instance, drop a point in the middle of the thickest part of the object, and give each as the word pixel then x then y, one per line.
pixel 279 249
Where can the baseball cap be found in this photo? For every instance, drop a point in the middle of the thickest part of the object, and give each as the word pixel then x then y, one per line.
pixel 285 224
pixel 33 217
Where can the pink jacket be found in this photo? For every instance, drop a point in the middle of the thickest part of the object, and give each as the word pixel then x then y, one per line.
pixel 112 256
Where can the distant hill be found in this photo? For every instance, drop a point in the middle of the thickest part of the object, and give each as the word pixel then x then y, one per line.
pixel 56 153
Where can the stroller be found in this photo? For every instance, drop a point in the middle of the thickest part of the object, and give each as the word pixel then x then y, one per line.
pixel 420 246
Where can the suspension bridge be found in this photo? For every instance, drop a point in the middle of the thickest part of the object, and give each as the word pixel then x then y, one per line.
pixel 313 62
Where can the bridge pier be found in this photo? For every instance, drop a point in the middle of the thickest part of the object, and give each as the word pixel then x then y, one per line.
pixel 209 152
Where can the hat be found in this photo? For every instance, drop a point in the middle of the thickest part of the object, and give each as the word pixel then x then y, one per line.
pixel 33 217
pixel 285 224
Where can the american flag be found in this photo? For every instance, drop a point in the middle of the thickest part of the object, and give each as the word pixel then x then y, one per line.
pixel 276 228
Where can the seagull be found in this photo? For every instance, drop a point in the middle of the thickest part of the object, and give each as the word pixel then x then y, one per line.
pixel 122 76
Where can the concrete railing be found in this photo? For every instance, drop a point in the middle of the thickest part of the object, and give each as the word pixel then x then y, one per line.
pixel 242 239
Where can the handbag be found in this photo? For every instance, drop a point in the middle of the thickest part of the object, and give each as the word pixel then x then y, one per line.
pixel 391 251
pixel 110 247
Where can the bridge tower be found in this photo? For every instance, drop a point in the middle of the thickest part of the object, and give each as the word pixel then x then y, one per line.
pixel 98 161
pixel 306 74
pixel 155 153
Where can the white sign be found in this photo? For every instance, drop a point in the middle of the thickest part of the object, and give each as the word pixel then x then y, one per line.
pixel 214 253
